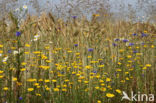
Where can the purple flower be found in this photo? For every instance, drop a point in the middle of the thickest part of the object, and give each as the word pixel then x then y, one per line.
pixel 114 44
pixel 9 51
pixel 94 71
pixel 134 34
pixel 18 33
pixel 131 44
pixel 20 98
pixel 74 17
pixel 134 51
pixel 143 35
pixel 62 72
pixel 116 39
pixel 125 40
pixel 142 43
pixel 90 49
pixel 75 45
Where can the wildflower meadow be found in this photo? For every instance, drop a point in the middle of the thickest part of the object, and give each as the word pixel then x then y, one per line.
pixel 48 60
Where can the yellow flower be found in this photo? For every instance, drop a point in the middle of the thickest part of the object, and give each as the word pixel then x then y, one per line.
pixel 98 76
pixel 30 89
pixel 86 82
pixel 148 65
pixel 5 88
pixel 37 94
pixel 64 90
pixel 48 61
pixel 144 68
pixel 1 51
pixel 88 67
pixel 97 15
pixel 1 71
pixel 66 80
pixel 97 87
pixel 152 46
pixel 86 90
pixel 64 85
pixel 119 70
pixel 56 89
pixel 54 80
pixel 47 80
pixel 121 50
pixel 103 89
pixel 129 56
pixel 122 81
pixel 36 84
pixel 31 80
pixel 19 83
pixel 110 95
pixel 127 78
pixel 14 79
pixel 27 45
pixel 108 79
pixel 1 46
pixel 118 91
pixel 102 84
pixel 47 88
pixel 70 51
pixel 23 69
pixel 1 76
pixel 101 81
pixel 98 101
pixel 145 31
pixel 23 63
pixel 119 63
pixel 145 46
pixel 47 47
pixel 100 66
pixel 26 52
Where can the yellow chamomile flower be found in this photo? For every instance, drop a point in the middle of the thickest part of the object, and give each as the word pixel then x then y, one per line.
pixel 110 95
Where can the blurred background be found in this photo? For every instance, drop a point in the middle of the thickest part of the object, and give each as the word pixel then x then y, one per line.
pixel 142 10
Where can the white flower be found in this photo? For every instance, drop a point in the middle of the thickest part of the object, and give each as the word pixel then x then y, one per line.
pixel 17 9
pixel 5 59
pixel 0 54
pixel 15 52
pixel 25 7
pixel 36 37
pixel 50 42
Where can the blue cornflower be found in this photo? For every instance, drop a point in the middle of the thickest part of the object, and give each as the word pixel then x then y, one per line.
pixel 143 35
pixel 134 34
pixel 135 51
pixel 18 33
pixel 75 45
pixel 131 44
pixel 142 43
pixel 20 98
pixel 94 71
pixel 125 40
pixel 116 39
pixel 90 49
pixel 74 17
pixel 9 51
pixel 62 72
pixel 114 44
